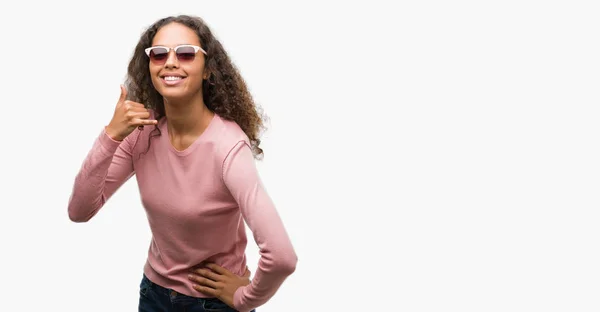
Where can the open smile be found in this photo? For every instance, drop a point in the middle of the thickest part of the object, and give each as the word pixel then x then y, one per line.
pixel 172 80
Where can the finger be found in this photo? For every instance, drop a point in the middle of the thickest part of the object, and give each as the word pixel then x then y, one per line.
pixel 123 95
pixel 203 281
pixel 247 273
pixel 219 269
pixel 142 122
pixel 134 105
pixel 209 274
pixel 206 290
pixel 141 115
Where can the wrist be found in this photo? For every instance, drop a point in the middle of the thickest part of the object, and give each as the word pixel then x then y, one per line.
pixel 114 136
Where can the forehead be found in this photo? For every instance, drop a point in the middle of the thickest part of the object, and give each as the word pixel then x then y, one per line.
pixel 174 34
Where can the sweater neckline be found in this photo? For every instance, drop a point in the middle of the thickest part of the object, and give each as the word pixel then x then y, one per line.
pixel 202 137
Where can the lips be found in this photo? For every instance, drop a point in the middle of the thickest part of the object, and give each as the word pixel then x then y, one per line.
pixel 172 79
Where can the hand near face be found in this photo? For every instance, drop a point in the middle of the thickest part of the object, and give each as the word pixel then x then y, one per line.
pixel 216 281
pixel 128 116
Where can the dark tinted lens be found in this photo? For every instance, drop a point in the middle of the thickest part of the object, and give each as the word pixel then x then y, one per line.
pixel 159 54
pixel 186 53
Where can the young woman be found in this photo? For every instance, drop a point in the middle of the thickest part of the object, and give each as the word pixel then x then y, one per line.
pixel 187 128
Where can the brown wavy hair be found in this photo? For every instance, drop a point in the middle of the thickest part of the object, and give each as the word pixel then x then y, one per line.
pixel 224 92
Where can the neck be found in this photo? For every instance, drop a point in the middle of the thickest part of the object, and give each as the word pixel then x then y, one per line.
pixel 187 117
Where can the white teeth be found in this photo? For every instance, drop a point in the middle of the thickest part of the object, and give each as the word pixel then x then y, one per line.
pixel 172 78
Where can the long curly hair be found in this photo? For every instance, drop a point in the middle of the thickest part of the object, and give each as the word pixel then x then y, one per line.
pixel 224 92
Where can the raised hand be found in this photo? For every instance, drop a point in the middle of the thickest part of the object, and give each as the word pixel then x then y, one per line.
pixel 128 116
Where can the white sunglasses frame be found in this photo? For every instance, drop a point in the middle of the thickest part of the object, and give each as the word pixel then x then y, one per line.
pixel 196 48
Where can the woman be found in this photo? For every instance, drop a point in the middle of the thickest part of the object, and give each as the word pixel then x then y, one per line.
pixel 189 133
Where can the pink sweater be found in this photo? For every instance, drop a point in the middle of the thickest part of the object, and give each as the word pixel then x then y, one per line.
pixel 196 201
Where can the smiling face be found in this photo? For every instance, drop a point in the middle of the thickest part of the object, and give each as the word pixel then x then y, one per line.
pixel 180 73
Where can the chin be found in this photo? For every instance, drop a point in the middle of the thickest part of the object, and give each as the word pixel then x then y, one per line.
pixel 174 96
pixel 169 92
pixel 177 95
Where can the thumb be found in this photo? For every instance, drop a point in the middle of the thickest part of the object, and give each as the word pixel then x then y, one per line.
pixel 247 273
pixel 123 96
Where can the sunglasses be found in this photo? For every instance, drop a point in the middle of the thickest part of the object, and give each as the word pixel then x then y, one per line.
pixel 184 53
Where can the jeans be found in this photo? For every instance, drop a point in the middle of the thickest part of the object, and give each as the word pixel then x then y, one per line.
pixel 155 298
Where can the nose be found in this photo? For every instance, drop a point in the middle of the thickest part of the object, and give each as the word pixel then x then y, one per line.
pixel 172 61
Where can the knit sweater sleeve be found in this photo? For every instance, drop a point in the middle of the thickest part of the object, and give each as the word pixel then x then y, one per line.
pixel 107 166
pixel 277 256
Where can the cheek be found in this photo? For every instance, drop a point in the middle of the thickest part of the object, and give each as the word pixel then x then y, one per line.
pixel 154 75
pixel 196 67
pixel 155 83
pixel 154 69
pixel 194 72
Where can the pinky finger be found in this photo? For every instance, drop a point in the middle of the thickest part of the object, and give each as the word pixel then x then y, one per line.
pixel 144 122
